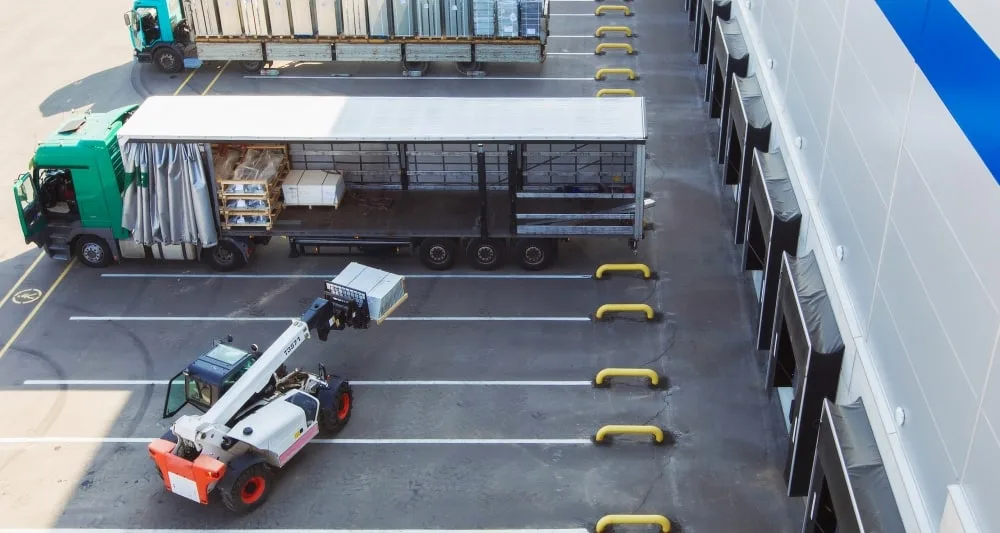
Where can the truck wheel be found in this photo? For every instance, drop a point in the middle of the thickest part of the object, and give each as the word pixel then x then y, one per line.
pixel 224 257
pixel 438 254
pixel 485 254
pixel 333 418
pixel 251 489
pixel 468 67
pixel 93 251
pixel 251 67
pixel 535 254
pixel 168 60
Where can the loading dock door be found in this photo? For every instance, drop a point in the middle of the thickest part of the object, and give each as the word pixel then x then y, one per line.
pixel 711 10
pixel 749 128
pixel 804 361
pixel 730 58
pixel 691 8
pixel 773 222
pixel 849 491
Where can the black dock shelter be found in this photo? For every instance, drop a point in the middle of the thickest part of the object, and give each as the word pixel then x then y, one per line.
pixel 730 58
pixel 749 129
pixel 710 11
pixel 773 223
pixel 805 360
pixel 849 490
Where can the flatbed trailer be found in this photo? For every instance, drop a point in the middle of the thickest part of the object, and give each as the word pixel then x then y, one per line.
pixel 481 178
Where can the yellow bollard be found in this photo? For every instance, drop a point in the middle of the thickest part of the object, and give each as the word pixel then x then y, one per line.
pixel 614 46
pixel 622 92
pixel 633 519
pixel 602 9
pixel 611 308
pixel 601 72
pixel 604 29
pixel 603 435
pixel 601 380
pixel 623 267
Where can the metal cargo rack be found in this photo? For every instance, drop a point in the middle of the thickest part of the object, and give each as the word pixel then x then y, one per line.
pixel 270 192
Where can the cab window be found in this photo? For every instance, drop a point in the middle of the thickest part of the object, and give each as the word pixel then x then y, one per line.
pixel 235 375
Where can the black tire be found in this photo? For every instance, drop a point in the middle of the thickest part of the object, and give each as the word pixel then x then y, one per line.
pixel 251 67
pixel 438 254
pixel 485 254
pixel 333 418
pixel 93 251
pixel 535 254
pixel 224 257
pixel 251 489
pixel 467 67
pixel 168 60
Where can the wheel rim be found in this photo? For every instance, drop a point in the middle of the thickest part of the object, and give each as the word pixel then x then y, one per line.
pixel 253 489
pixel 534 255
pixel 345 406
pixel 168 61
pixel 92 253
pixel 486 255
pixel 223 256
pixel 438 254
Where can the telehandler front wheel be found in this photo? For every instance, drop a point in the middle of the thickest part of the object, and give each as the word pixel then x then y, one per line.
pixel 335 414
pixel 251 489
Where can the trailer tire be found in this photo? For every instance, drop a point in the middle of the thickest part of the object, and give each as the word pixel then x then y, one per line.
pixel 535 254
pixel 93 251
pixel 334 416
pixel 251 67
pixel 251 489
pixel 438 254
pixel 485 254
pixel 224 257
pixel 168 60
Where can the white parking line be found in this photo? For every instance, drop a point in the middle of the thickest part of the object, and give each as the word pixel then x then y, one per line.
pixel 111 530
pixel 569 53
pixel 380 78
pixel 146 440
pixel 286 319
pixel 363 383
pixel 332 275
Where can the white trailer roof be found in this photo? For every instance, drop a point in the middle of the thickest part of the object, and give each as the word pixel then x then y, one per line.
pixel 296 119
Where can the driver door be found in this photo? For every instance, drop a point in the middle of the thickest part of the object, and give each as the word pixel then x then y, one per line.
pixel 177 395
pixel 29 211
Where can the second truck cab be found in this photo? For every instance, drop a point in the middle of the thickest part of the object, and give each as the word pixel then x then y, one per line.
pixel 159 33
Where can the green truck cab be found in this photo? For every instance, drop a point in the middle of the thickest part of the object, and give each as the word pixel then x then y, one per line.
pixel 159 33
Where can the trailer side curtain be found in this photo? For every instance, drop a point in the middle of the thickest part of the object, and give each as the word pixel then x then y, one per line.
pixel 168 200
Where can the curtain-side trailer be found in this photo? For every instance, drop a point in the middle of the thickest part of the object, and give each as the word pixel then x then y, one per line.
pixel 257 33
pixel 486 180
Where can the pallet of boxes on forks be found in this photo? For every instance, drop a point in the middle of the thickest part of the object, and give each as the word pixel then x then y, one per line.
pixel 249 182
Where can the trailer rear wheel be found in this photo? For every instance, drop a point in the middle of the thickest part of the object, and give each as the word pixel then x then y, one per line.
pixel 168 60
pixel 224 257
pixel 438 254
pixel 469 67
pixel 251 67
pixel 485 254
pixel 251 489
pixel 535 254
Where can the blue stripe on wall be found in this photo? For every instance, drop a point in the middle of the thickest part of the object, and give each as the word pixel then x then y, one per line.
pixel 959 64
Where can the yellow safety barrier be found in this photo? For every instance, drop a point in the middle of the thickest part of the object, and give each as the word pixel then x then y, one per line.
pixel 633 519
pixel 605 29
pixel 623 267
pixel 603 435
pixel 602 9
pixel 622 92
pixel 601 72
pixel 601 380
pixel 611 308
pixel 614 46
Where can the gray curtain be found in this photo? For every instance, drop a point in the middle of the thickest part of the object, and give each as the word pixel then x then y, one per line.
pixel 168 200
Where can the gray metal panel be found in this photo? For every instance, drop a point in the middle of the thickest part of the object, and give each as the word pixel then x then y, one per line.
pixel 484 17
pixel 379 18
pixel 439 52
pixel 507 18
pixel 458 18
pixel 509 53
pixel 369 52
pixel 230 51
pixel 428 15
pixel 402 18
pixel 299 52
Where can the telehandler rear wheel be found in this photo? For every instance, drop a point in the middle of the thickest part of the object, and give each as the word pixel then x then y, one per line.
pixel 251 489
pixel 333 417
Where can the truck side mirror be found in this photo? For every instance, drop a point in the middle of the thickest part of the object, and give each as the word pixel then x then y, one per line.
pixel 128 18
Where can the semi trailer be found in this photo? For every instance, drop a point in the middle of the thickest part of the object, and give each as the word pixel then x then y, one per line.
pixel 211 178
pixel 173 34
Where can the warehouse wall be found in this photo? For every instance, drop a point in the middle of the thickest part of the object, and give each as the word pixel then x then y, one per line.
pixel 897 186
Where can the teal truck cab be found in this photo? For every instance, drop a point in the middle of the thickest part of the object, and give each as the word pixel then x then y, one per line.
pixel 159 33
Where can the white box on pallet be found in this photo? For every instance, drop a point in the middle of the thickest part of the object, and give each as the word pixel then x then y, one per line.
pixel 326 18
pixel 333 189
pixel 302 21
pixel 290 187
pixel 311 187
pixel 229 17
pixel 384 290
pixel 280 17
pixel 254 14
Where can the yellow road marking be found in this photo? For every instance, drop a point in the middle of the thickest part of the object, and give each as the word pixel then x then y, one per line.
pixel 34 311
pixel 215 79
pixel 24 276
pixel 185 82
